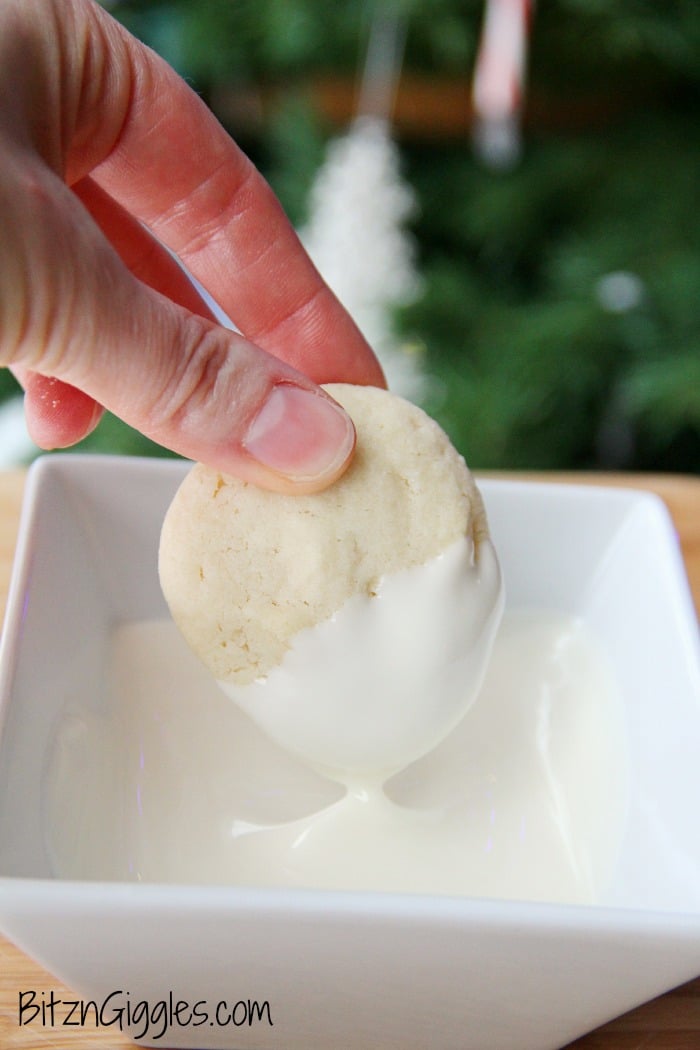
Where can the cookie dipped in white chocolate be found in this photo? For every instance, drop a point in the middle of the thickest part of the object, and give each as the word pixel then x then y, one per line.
pixel 354 625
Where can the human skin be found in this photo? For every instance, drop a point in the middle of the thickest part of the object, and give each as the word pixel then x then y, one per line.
pixel 106 156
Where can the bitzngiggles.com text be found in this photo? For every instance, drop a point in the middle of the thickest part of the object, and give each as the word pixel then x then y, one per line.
pixel 139 1018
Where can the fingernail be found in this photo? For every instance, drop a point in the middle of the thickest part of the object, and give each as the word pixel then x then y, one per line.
pixel 300 434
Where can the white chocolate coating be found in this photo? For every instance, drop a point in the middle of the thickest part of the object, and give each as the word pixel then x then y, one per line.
pixel 386 678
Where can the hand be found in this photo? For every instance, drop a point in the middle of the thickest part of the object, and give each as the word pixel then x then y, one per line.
pixel 101 142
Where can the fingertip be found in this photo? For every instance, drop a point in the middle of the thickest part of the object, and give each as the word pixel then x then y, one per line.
pixel 58 415
pixel 299 441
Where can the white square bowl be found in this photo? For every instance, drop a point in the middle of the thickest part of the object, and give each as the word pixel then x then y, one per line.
pixel 355 970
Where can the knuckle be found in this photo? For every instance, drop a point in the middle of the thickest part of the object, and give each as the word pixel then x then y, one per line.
pixel 228 194
pixel 192 381
pixel 38 292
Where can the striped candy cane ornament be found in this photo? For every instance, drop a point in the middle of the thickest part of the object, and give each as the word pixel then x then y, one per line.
pixel 499 80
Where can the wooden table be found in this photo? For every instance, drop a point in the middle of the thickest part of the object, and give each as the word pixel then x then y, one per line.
pixel 671 1022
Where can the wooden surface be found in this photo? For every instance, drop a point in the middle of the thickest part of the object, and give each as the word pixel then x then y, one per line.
pixel 671 1022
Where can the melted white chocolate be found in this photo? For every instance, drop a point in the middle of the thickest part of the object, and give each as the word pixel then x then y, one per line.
pixel 384 680
pixel 171 782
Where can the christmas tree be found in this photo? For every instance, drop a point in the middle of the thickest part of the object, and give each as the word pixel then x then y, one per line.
pixel 556 310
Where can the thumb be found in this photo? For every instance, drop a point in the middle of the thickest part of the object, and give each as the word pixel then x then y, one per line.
pixel 72 310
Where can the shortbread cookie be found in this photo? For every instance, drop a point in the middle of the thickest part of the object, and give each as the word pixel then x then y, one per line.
pixel 244 569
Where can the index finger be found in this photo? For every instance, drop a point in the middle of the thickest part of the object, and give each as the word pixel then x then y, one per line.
pixel 174 166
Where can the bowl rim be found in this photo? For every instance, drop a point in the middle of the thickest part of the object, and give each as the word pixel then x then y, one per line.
pixel 31 893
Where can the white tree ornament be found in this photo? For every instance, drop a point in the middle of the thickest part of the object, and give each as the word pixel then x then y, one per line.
pixel 358 209
pixel 355 236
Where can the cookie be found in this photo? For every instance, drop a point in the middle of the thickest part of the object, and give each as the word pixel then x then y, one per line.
pixel 244 569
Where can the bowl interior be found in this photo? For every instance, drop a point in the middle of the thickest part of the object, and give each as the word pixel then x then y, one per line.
pixel 87 561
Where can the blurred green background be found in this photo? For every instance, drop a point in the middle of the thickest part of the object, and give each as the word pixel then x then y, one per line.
pixel 559 313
